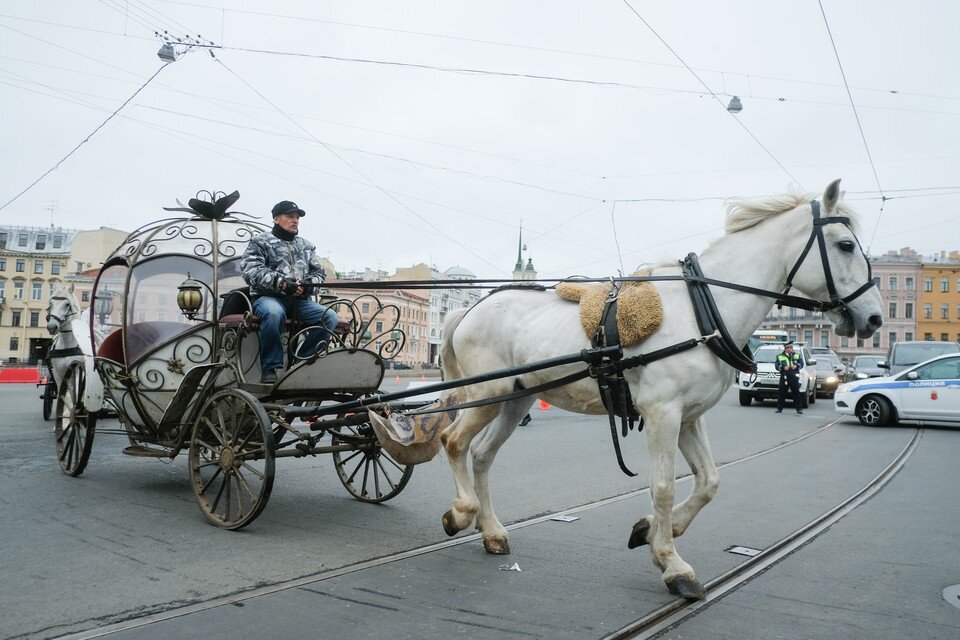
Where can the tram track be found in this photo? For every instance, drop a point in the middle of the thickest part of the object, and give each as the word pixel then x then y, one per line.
pixel 674 613
pixel 648 626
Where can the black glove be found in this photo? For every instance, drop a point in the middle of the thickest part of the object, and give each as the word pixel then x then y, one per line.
pixel 287 286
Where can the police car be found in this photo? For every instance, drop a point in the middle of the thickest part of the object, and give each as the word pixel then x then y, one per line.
pixel 927 392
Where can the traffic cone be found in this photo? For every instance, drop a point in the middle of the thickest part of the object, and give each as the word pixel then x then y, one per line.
pixel 544 406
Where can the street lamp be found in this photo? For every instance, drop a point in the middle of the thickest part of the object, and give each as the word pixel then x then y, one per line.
pixel 167 53
pixel 735 105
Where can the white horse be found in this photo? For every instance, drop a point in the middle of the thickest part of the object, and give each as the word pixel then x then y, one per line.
pixel 70 329
pixel 763 240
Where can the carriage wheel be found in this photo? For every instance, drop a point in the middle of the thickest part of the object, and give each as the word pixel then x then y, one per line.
pixel 231 458
pixel 75 425
pixel 369 473
pixel 49 398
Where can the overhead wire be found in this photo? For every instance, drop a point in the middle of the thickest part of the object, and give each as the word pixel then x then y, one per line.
pixel 357 171
pixel 856 116
pixel 711 92
pixel 84 141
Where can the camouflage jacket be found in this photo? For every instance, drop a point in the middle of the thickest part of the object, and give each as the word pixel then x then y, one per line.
pixel 269 260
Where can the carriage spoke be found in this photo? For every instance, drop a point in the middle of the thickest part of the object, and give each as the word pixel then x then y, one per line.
pixel 394 463
pixel 206 485
pixel 257 473
pixel 243 481
pixel 213 428
pixel 229 484
pixel 216 501
pixel 376 478
pixel 356 469
pixel 239 498
pixel 366 469
pixel 253 454
pixel 350 457
pixel 386 475
pixel 208 446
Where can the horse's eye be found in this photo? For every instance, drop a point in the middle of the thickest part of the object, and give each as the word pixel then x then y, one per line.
pixel 846 245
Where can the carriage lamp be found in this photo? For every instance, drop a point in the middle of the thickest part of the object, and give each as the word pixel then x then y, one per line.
pixel 190 297
pixel 735 105
pixel 103 305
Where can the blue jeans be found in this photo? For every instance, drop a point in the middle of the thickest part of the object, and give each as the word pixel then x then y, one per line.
pixel 272 313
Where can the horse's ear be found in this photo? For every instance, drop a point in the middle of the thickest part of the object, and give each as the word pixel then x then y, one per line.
pixel 831 196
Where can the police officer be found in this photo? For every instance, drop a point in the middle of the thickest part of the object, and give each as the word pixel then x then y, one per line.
pixel 789 365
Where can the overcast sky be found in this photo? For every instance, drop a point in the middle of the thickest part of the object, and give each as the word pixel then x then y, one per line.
pixel 397 165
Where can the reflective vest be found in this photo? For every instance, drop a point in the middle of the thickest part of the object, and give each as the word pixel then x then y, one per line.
pixel 784 360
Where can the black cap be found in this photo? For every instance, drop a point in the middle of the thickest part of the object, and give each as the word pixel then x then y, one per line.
pixel 789 344
pixel 286 206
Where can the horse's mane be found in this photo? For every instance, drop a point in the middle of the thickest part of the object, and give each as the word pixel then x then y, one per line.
pixel 742 213
pixel 65 291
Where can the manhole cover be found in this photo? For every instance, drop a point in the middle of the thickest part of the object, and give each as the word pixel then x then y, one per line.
pixel 952 595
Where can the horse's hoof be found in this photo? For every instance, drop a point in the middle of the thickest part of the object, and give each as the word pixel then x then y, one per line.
pixel 449 524
pixel 497 545
pixel 638 537
pixel 689 588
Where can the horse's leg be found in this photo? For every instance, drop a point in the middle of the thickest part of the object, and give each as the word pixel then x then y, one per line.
pixel 456 440
pixel 663 432
pixel 483 451
pixel 696 451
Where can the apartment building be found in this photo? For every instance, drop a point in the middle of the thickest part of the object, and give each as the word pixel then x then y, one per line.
pixel 939 313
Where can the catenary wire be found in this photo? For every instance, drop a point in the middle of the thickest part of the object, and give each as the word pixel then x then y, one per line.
pixel 82 142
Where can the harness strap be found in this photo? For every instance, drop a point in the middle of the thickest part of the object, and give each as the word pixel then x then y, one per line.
pixel 64 353
pixel 711 322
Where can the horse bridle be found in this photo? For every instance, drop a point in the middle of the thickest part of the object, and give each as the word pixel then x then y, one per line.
pixel 836 302
pixel 56 317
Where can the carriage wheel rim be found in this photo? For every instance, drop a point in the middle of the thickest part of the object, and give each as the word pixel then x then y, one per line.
pixel 73 430
pixel 231 465
pixel 368 473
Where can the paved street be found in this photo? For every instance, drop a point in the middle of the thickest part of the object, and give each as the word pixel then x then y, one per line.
pixel 127 539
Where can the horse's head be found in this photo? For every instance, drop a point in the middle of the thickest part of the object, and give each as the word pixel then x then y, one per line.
pixel 62 308
pixel 834 267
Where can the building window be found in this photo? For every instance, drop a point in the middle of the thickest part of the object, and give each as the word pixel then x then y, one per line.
pixel 18 291
pixel 3 286
pixel 3 264
pixel 793 335
pixel 928 337
pixel 55 267
pixel 958 285
pixel 365 307
pixel 908 336
pixel 21 265
pixel 3 239
pixel 15 318
pixel 41 241
pixel 808 338
pixel 891 338
pixel 22 240
pixel 53 287
pixel 944 285
pixel 85 296
pixel 892 285
pixel 928 311
pixel 909 283
pixel 945 337
pixel 844 342
pixel 824 338
pixel 379 326
pixel 907 309
pixel 38 266
pixel 36 291
pixel 893 310
pixel 928 283
pixel 876 340
pixel 14 343
pixel 79 266
pixel 34 318
pixel 958 312
pixel 944 312
pixel 859 343
pixel 57 242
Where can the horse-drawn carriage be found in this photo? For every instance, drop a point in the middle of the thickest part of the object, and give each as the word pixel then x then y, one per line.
pixel 170 349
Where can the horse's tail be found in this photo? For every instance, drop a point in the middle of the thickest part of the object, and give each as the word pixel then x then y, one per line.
pixel 449 366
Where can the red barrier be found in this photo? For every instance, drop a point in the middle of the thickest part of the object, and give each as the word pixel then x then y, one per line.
pixel 11 375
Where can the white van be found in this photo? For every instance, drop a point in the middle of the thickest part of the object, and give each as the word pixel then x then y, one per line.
pixel 767 383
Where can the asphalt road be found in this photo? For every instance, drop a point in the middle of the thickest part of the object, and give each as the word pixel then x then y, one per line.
pixel 127 539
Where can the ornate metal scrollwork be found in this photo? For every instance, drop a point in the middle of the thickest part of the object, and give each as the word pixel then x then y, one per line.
pixel 361 334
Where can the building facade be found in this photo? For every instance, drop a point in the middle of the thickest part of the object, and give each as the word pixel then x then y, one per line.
pixel 940 298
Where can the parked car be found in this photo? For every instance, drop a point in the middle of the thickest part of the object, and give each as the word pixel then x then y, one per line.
pixel 767 382
pixel 927 392
pixel 831 372
pixel 867 367
pixel 906 354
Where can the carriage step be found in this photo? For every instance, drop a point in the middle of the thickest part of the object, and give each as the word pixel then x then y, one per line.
pixel 145 452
